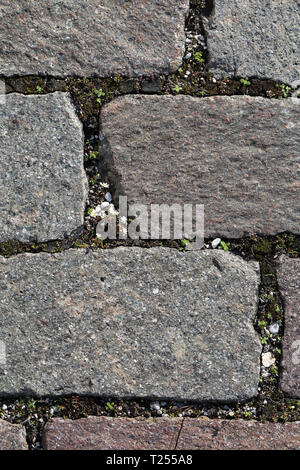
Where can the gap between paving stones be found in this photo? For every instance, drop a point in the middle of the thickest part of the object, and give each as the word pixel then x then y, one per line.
pixel 197 83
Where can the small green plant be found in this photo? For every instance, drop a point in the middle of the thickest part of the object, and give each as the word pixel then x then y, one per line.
pixel 285 90
pixel 99 93
pixel 245 81
pixel 274 370
pixel 110 406
pixel 93 155
pixel 264 340
pixel 224 246
pixel 31 404
pixel 94 179
pixel 177 88
pixel 248 414
pixel 262 323
pixel 39 89
pixel 198 57
pixel 184 242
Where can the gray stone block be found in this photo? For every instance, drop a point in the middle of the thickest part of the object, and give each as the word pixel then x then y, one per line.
pixel 238 434
pixel 238 156
pixel 130 322
pixel 254 39
pixel 43 185
pixel 105 433
pixel 12 436
pixel 94 38
pixel 289 285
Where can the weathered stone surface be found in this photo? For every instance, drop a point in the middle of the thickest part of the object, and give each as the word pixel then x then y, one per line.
pixel 130 322
pixel 239 156
pixel 103 433
pixel 43 185
pixel 98 38
pixel 289 285
pixel 12 436
pixel 254 39
pixel 238 434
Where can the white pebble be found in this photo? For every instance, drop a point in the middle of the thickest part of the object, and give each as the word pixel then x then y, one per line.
pixel 268 359
pixel 274 329
pixel 108 197
pixel 188 56
pixel 155 406
pixel 216 242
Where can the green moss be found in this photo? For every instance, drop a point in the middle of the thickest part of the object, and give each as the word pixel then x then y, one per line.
pixel 262 247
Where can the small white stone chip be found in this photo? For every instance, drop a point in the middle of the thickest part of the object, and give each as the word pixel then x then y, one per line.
pixel 274 328
pixel 216 242
pixel 268 359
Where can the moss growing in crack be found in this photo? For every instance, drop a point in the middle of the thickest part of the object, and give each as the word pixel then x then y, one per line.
pixel 27 85
pixel 262 247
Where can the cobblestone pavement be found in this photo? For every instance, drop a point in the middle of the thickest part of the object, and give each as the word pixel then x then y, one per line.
pixel 116 342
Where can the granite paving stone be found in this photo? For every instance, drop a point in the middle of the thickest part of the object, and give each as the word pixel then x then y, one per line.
pixel 43 185
pixel 105 433
pixel 238 434
pixel 254 39
pixel 238 156
pixel 130 322
pixel 95 38
pixel 12 436
pixel 289 285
